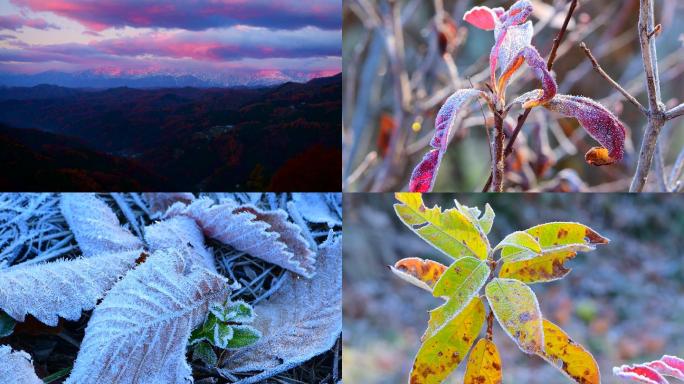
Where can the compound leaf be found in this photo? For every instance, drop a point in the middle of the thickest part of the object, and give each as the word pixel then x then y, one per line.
pixel 95 225
pixel 450 231
pixel 421 273
pixel 140 331
pixel 484 364
pixel 16 367
pixel 442 353
pixel 61 288
pixel 459 283
pixel 517 310
pixel 569 357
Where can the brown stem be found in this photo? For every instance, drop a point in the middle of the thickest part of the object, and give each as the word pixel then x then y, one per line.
pixel 549 64
pixel 497 147
pixel 490 324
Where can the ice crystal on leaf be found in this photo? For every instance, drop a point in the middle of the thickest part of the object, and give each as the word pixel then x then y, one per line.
pixel 512 47
pixel 16 367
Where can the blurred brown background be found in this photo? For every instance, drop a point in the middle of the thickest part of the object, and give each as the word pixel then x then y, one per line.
pixel 622 301
pixel 371 113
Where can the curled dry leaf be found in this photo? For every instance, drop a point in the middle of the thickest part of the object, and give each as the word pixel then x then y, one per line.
pixel 516 308
pixel 484 364
pixel 442 353
pixel 301 320
pixel 95 225
pixel 139 333
pixel 16 367
pixel 62 288
pixel 421 273
pixel 267 235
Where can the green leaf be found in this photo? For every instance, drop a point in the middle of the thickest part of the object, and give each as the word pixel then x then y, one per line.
pixel 459 283
pixel 442 353
pixel 206 331
pixel 6 324
pixel 518 245
pixel 235 312
pixel 243 335
pixel 487 219
pixel 222 334
pixel 517 310
pixel 62 373
pixel 204 352
pixel 450 231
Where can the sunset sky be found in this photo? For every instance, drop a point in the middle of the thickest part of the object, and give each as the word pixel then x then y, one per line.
pixel 260 37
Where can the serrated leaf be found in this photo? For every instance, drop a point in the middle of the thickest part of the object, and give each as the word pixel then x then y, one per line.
pixel 243 336
pixel 450 231
pixel 459 284
pixel 95 226
pixel 180 232
pixel 16 367
pixel 222 334
pixel 641 373
pixel 140 331
pixel 236 312
pixel 516 308
pixel 569 357
pixel 419 272
pixel 159 202
pixel 62 288
pixel 204 352
pixel 301 320
pixel 7 324
pixel 267 235
pixel 442 353
pixel 669 366
pixel 484 364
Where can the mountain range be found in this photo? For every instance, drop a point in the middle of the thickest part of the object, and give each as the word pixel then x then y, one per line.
pixel 281 138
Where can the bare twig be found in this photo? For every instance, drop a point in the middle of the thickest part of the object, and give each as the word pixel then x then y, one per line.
pixel 674 112
pixel 612 82
pixel 656 114
pixel 549 64
pixel 497 147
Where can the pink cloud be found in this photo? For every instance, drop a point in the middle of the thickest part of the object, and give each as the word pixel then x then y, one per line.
pixel 16 22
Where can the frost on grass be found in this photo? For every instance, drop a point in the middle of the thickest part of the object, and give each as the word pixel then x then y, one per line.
pixel 16 367
pixel 267 235
pixel 62 288
pixel 139 333
pixel 301 320
pixel 95 225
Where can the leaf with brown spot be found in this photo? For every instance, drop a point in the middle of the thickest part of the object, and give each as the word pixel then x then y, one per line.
pixel 449 231
pixel 459 283
pixel 484 364
pixel 548 266
pixel 568 357
pixel 517 310
pixel 419 272
pixel 577 235
pixel 441 354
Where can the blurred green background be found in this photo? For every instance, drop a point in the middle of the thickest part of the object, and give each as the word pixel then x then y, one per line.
pixel 623 301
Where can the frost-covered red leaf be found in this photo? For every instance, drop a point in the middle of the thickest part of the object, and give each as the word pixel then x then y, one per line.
pixel 179 232
pixel 95 225
pixel 301 320
pixel 442 353
pixel 598 121
pixel 267 235
pixel 484 364
pixel 459 284
pixel 450 231
pixel 419 272
pixel 641 373
pixel 516 308
pixel 531 56
pixel 425 173
pixel 16 367
pixel 62 288
pixel 139 333
pixel 569 357
pixel 669 366
pixel 482 17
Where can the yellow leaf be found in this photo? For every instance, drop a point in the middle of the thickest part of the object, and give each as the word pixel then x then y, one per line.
pixel 516 308
pixel 569 357
pixel 546 267
pixel 484 364
pixel 421 273
pixel 441 354
pixel 450 231
pixel 566 233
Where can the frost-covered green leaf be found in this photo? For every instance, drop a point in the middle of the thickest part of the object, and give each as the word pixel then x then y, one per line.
pixel 61 288
pixel 204 352
pixel 459 284
pixel 243 336
pixel 16 367
pixel 236 312
pixel 301 320
pixel 517 310
pixel 267 235
pixel 139 333
pixel 7 324
pixel 95 225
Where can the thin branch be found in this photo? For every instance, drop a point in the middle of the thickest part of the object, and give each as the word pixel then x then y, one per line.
pixel 549 64
pixel 675 112
pixel 656 115
pixel 497 147
pixel 612 82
